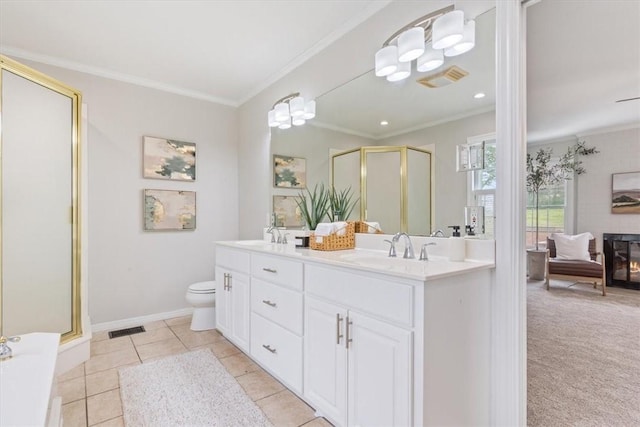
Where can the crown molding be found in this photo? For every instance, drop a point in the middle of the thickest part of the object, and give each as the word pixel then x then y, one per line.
pixel 113 75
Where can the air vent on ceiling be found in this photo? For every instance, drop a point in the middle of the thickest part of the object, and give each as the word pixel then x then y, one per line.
pixel 444 78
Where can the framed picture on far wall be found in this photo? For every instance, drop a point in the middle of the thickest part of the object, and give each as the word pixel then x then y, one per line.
pixel 625 193
pixel 289 172
pixel 168 159
pixel 169 210
pixel 287 211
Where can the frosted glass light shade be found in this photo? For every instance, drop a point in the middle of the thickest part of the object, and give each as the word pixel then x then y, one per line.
pixel 298 121
pixel 282 111
pixel 296 106
pixel 411 44
pixel 403 71
pixel 467 43
pixel 448 29
pixel 429 60
pixel 272 119
pixel 386 61
pixel 309 110
pixel 285 125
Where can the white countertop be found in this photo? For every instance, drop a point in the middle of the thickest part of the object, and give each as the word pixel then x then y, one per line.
pixel 26 380
pixel 368 260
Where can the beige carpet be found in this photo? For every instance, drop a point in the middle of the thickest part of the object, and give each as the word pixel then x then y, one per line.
pixel 583 356
pixel 190 389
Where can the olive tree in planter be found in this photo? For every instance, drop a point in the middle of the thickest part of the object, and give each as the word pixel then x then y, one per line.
pixel 542 172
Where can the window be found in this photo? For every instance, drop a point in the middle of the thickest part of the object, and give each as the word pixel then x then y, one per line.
pixel 551 210
pixel 483 185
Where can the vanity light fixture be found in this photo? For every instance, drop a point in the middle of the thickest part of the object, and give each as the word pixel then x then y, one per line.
pixel 291 110
pixel 384 123
pixel 428 40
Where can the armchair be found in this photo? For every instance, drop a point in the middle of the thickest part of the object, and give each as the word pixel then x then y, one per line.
pixel 576 270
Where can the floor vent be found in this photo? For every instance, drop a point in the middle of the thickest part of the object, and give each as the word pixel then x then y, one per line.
pixel 127 331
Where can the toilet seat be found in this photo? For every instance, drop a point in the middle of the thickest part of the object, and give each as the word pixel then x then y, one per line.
pixel 203 287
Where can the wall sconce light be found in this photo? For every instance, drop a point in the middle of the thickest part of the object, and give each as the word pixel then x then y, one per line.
pixel 291 110
pixel 428 40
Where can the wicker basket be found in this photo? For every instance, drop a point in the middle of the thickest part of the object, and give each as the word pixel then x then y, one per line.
pixel 334 242
pixel 363 227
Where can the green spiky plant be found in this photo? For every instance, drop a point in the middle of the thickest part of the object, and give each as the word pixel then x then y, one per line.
pixel 341 204
pixel 542 172
pixel 313 205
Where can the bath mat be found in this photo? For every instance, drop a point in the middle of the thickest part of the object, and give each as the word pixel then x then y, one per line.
pixel 190 389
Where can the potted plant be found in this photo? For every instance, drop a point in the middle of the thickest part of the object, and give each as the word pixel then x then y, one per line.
pixel 341 204
pixel 313 205
pixel 542 172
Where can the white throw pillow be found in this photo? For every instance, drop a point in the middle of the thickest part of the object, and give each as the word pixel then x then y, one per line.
pixel 572 247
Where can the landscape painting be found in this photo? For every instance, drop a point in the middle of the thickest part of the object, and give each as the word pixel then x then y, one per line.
pixel 287 211
pixel 625 198
pixel 289 172
pixel 169 210
pixel 169 159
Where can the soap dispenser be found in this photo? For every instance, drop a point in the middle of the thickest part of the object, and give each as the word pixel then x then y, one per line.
pixel 456 245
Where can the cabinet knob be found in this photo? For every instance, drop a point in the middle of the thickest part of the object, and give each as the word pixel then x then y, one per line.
pixel 269 270
pixel 269 303
pixel 349 339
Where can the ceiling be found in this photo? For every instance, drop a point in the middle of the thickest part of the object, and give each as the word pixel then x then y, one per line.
pixel 188 47
pixel 583 55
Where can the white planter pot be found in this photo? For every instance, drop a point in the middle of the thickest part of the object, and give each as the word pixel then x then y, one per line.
pixel 536 264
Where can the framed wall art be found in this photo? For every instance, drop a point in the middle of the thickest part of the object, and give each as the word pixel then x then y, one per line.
pixel 168 159
pixel 625 193
pixel 289 172
pixel 169 210
pixel 287 211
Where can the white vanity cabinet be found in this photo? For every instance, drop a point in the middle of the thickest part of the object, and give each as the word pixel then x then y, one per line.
pixel 357 367
pixel 276 317
pixel 364 340
pixel 232 295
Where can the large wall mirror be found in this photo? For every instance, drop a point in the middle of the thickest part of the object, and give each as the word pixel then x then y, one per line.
pixel 433 119
pixel 40 234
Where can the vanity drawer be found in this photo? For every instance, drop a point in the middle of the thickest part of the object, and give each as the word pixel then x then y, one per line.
pixel 278 350
pixel 233 259
pixel 277 270
pixel 280 305
pixel 380 297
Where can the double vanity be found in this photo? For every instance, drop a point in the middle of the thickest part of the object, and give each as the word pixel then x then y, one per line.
pixel 363 338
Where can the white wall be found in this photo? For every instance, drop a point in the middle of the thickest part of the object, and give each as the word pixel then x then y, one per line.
pixel 450 186
pixel 619 152
pixel 132 272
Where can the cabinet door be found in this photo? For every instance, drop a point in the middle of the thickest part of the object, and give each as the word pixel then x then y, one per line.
pixel 222 301
pixel 325 364
pixel 380 373
pixel 238 307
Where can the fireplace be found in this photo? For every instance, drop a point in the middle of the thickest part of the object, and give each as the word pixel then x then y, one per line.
pixel 622 260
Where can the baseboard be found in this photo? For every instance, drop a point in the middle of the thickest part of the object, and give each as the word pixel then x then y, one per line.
pixel 136 321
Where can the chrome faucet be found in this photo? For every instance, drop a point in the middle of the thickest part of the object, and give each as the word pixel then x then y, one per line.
pixel 5 350
pixel 437 233
pixel 273 237
pixel 408 247
pixel 424 256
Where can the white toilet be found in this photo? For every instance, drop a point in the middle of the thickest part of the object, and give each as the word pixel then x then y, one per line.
pixel 202 296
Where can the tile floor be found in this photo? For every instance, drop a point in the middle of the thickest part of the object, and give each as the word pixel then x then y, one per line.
pixel 91 392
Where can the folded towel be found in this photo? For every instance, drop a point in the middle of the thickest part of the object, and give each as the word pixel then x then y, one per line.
pixel 340 228
pixel 373 227
pixel 324 229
